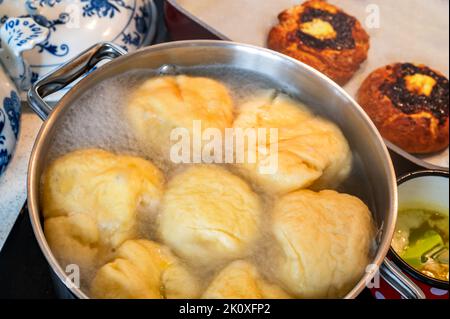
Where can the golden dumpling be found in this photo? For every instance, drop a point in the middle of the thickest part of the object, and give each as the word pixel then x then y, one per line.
pixel 144 269
pixel 164 103
pixel 91 199
pixel 325 239
pixel 74 240
pixel 208 215
pixel 241 280
pixel 311 150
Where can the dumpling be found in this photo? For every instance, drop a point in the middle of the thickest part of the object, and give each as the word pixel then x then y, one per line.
pixel 107 187
pixel 325 240
pixel 91 200
pixel 209 216
pixel 144 269
pixel 311 150
pixel 161 104
pixel 74 240
pixel 241 280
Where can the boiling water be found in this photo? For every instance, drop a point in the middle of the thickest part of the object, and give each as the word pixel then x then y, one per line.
pixel 97 120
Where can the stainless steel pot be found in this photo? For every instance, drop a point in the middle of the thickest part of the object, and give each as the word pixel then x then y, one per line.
pixel 325 97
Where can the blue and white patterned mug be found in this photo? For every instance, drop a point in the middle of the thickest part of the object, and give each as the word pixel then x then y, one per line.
pixel 17 35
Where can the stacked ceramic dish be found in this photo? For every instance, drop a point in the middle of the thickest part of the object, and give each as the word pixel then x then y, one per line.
pixel 38 36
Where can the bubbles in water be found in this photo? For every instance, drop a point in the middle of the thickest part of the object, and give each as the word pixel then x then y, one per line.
pixel 97 120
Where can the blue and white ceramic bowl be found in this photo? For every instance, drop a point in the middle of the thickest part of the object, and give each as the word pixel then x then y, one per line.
pixel 75 25
pixel 17 35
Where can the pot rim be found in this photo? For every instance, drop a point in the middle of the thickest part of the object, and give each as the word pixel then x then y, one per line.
pixel 402 264
pixel 32 180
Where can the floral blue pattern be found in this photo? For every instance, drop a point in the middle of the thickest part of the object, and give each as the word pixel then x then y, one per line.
pixel 103 8
pixel 16 34
pixel 138 31
pixel 142 23
pixel 19 35
pixel 12 109
pixel 2 125
pixel 99 8
pixel 56 50
pixel 4 160
pixel 11 105
pixel 50 3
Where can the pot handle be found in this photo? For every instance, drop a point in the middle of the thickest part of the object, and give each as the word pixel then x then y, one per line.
pixel 68 73
pixel 399 281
